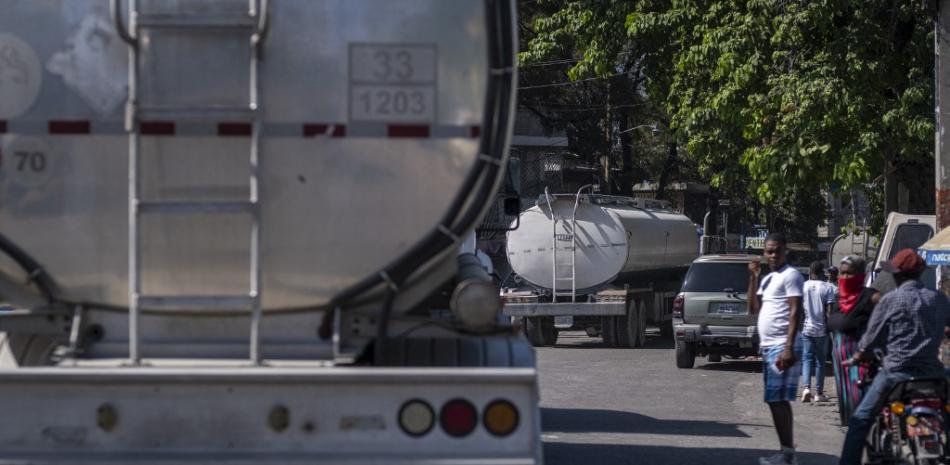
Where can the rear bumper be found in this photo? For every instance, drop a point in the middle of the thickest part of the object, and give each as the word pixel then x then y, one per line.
pixel 565 309
pixel 251 458
pixel 743 337
pixel 255 415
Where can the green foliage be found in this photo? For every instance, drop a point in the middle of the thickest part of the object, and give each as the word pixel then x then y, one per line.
pixel 802 94
pixel 773 100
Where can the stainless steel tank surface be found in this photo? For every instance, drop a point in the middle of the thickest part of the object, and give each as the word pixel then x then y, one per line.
pixel 610 240
pixel 371 115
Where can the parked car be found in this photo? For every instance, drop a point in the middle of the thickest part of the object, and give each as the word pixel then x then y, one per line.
pixel 710 314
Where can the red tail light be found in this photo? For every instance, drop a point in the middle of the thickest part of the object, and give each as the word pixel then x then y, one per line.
pixel 678 305
pixel 458 417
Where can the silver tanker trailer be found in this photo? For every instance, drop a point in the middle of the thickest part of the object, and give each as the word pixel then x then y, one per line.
pixel 608 265
pixel 231 232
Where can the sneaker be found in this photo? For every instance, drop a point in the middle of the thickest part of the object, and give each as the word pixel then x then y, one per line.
pixel 806 395
pixel 777 459
pixel 822 398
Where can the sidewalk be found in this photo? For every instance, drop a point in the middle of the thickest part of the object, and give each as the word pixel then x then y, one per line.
pixel 817 429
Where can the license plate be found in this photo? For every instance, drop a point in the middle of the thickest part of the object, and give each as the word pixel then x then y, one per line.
pixel 727 308
pixel 564 321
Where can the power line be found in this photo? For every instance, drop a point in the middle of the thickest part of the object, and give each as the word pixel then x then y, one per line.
pixel 592 108
pixel 568 83
pixel 549 63
pixel 582 106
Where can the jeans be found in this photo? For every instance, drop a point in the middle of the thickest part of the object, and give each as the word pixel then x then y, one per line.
pixel 814 355
pixel 866 414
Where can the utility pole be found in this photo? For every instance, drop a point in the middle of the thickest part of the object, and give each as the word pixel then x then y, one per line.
pixel 608 142
pixel 942 116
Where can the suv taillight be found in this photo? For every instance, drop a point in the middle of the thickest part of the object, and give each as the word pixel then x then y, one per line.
pixel 678 305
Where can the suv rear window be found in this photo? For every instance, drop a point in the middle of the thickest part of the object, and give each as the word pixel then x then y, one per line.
pixel 716 277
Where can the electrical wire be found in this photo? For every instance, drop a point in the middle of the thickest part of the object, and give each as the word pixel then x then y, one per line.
pixel 570 83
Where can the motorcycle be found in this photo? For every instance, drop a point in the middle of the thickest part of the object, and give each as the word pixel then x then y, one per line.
pixel 912 425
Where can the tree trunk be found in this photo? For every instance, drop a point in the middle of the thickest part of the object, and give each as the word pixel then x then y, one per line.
pixel 626 156
pixel 668 165
pixel 891 184
pixel 607 188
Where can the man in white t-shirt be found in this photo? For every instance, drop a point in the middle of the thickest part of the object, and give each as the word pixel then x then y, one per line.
pixel 817 298
pixel 778 301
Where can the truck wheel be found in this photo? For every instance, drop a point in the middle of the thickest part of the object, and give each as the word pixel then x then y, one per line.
pixel 534 331
pixel 685 355
pixel 631 328
pixel 548 331
pixel 666 329
pixel 638 332
pixel 622 331
pixel 608 331
pixel 715 358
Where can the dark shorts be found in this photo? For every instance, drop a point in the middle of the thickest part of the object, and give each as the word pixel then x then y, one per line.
pixel 780 386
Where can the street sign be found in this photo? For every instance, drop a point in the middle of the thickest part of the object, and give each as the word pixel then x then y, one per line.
pixel 724 203
pixel 935 257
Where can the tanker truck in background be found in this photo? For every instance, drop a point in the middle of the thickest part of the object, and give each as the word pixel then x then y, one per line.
pixel 607 265
pixel 231 232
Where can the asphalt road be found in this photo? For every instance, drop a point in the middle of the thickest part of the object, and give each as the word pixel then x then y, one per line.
pixel 633 406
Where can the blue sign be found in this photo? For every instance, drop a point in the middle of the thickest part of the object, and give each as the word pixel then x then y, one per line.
pixel 935 257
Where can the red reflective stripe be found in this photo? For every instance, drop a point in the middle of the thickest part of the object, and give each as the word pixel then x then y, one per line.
pixel 313 130
pixel 157 128
pixel 3 126
pixel 475 132
pixel 404 130
pixel 68 127
pixel 234 129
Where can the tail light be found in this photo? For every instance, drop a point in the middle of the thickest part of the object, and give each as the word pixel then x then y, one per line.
pixel 678 303
pixel 500 418
pixel 458 417
pixel 416 418
pixel 897 408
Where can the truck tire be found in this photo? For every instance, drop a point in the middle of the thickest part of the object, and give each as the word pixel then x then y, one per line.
pixel 622 330
pixel 638 332
pixel 534 331
pixel 631 329
pixel 608 331
pixel 548 331
pixel 685 355
pixel 666 329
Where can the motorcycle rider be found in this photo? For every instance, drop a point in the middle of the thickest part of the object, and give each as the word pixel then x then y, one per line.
pixel 909 324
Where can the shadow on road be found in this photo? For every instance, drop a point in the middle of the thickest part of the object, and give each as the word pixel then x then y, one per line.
pixel 570 420
pixel 579 340
pixel 739 366
pixel 620 454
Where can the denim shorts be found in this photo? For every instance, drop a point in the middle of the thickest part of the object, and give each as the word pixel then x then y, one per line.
pixel 781 386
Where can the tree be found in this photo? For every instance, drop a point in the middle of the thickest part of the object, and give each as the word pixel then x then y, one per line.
pixel 774 101
pixel 807 96
pixel 579 73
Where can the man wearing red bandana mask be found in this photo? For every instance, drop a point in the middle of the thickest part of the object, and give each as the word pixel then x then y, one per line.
pixel 849 290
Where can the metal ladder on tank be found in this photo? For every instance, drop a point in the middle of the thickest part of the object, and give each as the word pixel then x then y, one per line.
pixel 255 21
pixel 555 265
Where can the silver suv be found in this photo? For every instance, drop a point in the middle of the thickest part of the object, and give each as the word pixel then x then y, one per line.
pixel 710 314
